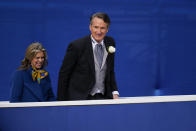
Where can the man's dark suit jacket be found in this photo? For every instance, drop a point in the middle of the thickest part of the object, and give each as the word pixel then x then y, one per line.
pixel 77 73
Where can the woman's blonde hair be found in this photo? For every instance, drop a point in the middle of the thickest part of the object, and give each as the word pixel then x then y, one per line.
pixel 30 53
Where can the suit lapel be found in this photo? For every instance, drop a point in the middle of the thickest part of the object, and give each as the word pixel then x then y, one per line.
pixel 109 56
pixel 90 55
pixel 107 44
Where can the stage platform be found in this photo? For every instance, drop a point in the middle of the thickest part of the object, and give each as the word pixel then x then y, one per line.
pixel 155 113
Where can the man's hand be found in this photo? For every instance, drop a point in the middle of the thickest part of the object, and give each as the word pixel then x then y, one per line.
pixel 115 96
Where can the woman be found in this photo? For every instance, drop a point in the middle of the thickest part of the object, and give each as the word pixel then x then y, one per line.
pixel 30 83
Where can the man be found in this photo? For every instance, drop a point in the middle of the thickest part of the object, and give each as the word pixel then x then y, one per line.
pixel 87 72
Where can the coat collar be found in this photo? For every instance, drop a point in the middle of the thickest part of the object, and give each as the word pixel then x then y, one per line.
pixel 91 55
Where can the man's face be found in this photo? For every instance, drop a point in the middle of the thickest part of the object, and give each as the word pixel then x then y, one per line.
pixel 98 29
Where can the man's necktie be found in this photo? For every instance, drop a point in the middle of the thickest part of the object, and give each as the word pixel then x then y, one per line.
pixel 99 54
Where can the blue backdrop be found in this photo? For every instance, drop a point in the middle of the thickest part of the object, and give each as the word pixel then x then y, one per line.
pixel 156 43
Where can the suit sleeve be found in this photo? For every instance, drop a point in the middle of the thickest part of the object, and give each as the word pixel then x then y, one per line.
pixel 113 79
pixel 65 72
pixel 16 87
pixel 112 73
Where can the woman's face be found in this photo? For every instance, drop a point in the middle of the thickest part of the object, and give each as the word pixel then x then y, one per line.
pixel 38 60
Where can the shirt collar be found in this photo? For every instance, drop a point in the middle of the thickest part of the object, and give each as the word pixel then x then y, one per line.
pixel 94 42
